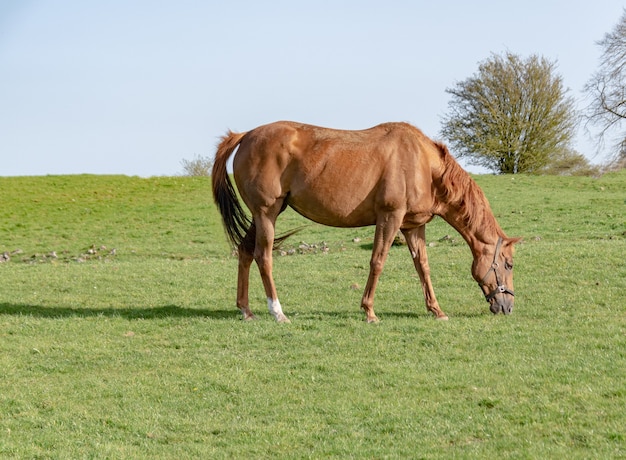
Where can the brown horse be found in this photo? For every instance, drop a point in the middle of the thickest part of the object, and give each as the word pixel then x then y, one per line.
pixel 391 176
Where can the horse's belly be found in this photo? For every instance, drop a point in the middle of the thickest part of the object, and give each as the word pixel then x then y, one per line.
pixel 333 210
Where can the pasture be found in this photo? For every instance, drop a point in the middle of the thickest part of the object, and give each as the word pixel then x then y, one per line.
pixel 119 337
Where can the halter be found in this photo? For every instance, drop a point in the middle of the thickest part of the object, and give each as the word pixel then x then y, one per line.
pixel 500 288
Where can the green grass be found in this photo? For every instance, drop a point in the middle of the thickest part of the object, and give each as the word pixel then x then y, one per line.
pixel 141 353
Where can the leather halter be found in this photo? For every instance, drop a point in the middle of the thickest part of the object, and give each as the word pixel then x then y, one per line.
pixel 500 288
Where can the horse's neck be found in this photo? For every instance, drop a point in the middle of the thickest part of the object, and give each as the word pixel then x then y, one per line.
pixel 462 203
pixel 478 231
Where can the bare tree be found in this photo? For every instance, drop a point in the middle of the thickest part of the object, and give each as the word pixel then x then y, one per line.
pixel 511 116
pixel 607 89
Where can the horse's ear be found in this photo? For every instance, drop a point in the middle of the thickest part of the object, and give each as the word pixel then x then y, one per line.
pixel 512 241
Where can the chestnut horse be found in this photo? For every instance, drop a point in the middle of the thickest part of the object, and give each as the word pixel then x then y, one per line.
pixel 391 176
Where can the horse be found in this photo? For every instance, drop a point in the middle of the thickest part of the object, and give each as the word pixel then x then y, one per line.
pixel 391 176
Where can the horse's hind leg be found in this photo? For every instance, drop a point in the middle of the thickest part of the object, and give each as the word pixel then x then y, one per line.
pixel 264 222
pixel 416 241
pixel 246 256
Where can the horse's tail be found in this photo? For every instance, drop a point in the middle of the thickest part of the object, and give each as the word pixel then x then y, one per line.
pixel 236 221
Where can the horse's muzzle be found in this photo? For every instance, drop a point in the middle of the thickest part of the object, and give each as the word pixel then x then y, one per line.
pixel 504 305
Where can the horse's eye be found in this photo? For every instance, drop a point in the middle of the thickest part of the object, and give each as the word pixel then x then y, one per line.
pixel 508 265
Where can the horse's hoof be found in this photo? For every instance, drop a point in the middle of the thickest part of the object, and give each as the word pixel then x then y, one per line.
pixel 283 320
pixel 442 318
pixel 372 320
pixel 249 318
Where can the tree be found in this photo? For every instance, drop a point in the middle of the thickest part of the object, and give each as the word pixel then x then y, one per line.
pixel 199 166
pixel 511 116
pixel 607 89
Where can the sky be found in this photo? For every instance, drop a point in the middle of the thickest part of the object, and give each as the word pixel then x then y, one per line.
pixel 135 86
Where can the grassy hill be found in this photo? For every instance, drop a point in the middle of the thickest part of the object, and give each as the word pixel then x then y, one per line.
pixel 119 337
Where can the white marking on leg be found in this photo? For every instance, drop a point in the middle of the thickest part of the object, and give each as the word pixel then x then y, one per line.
pixel 275 308
pixel 273 305
pixel 414 254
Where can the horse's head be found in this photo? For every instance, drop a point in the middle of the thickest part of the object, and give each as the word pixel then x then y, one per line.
pixel 494 273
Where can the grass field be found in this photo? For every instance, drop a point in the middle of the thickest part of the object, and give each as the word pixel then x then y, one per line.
pixel 119 337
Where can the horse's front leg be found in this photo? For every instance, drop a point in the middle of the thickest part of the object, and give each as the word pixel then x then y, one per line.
pixel 386 228
pixel 416 241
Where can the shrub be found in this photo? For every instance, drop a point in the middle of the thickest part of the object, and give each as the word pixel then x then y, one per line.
pixel 199 166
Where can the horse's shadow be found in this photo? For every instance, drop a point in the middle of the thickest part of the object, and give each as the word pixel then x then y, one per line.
pixel 166 311
pixel 175 311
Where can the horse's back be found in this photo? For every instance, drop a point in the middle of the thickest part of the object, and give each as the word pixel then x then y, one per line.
pixel 334 177
pixel 306 145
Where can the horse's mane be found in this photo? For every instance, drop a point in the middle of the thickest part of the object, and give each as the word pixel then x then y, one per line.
pixel 456 188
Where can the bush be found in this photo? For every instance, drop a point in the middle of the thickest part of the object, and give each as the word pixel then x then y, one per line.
pixel 568 162
pixel 199 166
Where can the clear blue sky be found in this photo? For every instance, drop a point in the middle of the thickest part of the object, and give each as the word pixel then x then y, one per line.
pixel 133 87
